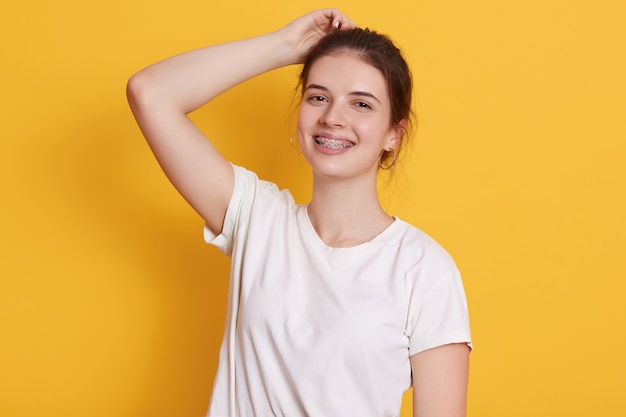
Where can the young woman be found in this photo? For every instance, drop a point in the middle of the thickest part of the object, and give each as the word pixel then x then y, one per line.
pixel 336 308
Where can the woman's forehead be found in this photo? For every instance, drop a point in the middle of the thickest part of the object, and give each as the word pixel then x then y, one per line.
pixel 346 72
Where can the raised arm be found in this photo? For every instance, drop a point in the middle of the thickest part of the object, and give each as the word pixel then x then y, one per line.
pixel 162 95
pixel 440 381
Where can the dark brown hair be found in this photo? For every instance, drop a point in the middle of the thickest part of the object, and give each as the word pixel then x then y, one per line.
pixel 378 51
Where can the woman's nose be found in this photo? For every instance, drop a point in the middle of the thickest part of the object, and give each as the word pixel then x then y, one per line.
pixel 333 116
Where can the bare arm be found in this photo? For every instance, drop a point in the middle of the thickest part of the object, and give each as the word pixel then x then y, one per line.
pixel 162 95
pixel 440 381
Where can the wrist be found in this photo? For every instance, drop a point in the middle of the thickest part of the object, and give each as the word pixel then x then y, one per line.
pixel 284 48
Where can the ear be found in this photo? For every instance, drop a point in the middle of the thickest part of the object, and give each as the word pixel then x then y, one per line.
pixel 395 136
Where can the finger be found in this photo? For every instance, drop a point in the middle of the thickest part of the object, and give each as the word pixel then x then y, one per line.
pixel 339 20
pixel 349 24
pixel 343 22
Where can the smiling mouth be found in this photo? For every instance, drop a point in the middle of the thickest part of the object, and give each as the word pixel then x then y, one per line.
pixel 332 143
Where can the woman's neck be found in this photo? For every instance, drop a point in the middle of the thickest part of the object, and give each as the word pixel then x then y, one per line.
pixel 346 213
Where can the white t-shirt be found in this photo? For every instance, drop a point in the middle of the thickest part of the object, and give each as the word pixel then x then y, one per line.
pixel 319 331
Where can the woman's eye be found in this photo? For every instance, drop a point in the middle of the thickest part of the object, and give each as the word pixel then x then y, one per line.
pixel 317 99
pixel 363 105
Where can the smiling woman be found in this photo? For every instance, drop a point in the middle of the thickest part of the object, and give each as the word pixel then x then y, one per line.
pixel 341 113
pixel 379 52
pixel 336 307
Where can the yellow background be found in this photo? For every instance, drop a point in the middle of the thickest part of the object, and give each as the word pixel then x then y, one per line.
pixel 111 304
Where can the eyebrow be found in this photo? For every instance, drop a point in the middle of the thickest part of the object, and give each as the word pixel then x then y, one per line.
pixel 352 93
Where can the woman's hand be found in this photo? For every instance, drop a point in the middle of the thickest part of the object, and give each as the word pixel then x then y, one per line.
pixel 303 33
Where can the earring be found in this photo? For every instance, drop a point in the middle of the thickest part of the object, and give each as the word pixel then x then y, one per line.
pixel 292 145
pixel 385 168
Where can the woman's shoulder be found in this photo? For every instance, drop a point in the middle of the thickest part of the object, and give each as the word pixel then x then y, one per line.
pixel 421 246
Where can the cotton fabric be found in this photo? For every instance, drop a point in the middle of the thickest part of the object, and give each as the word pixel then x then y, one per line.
pixel 319 331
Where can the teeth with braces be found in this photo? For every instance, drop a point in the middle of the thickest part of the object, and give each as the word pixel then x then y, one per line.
pixel 332 144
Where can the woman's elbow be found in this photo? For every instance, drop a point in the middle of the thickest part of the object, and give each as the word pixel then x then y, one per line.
pixel 138 90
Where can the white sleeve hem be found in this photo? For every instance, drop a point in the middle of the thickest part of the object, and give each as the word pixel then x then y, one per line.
pixel 440 340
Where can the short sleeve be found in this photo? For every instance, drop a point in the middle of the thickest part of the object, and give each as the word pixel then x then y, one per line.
pixel 438 313
pixel 238 211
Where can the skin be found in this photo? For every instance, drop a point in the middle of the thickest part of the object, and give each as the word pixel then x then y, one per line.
pixel 440 381
pixel 162 95
pixel 345 100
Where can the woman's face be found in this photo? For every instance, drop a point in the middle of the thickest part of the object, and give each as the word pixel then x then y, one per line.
pixel 343 123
